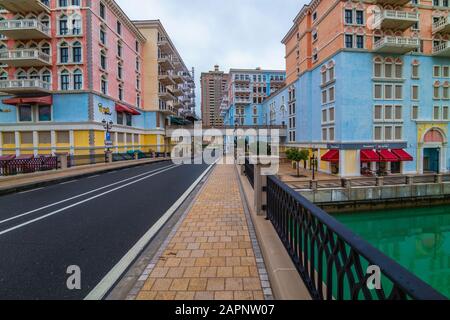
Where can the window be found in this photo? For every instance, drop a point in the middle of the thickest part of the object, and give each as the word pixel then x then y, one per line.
pixel 436 92
pixel 415 72
pixel 103 64
pixel 436 113
pixel 324 134
pixel 331 134
pixel 359 17
pixel 46 76
pixel 119 71
pixel 62 137
pixel 388 92
pixel 378 113
pixel 77 80
pixel 63 3
pixel 377 69
pixel 120 118
pixel 129 120
pixel 378 91
pixel 119 28
pixel 388 70
pixel 65 80
pixel 398 70
pixel 120 92
pixel 324 116
pixel 348 16
pixel 377 133
pixel 398 92
pixel 331 94
pixel 324 97
pixel 415 113
pixel 349 41
pixel 398 133
pixel 398 113
pixel 44 137
pixel 388 113
pixel 25 113
pixel 415 92
pixel 445 71
pixel 76 25
pixel 445 113
pixel 45 113
pixel 436 71
pixel 102 11
pixel 388 133
pixel 445 92
pixel 360 42
pixel 103 35
pixel 64 53
pixel 63 26
pixel 9 138
pixel 104 85
pixel 77 55
pixel 331 114
pixel 314 16
pixel 26 137
pixel 119 49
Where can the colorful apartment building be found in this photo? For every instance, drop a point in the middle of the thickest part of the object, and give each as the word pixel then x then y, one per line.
pixel 68 66
pixel 246 91
pixel 214 85
pixel 368 86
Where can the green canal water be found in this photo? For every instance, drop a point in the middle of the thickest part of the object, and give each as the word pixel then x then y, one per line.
pixel 418 238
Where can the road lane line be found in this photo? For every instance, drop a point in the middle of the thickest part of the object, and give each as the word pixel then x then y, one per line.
pixel 81 202
pixel 116 272
pixel 24 192
pixel 80 195
pixel 68 182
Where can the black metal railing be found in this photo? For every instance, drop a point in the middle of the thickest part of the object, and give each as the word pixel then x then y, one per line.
pixel 249 172
pixel 330 258
pixel 10 166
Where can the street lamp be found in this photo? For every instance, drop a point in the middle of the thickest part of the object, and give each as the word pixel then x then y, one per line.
pixel 107 126
pixel 313 160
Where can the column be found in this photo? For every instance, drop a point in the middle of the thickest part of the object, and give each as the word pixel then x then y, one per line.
pixel 443 160
pixel 17 138
pixel 72 142
pixel 35 143
pixel 419 159
pixel 53 141
pixel 116 141
pixel 1 143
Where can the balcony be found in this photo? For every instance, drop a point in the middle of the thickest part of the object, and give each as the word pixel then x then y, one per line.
pixel 394 19
pixel 25 58
pixel 442 50
pixel 166 96
pixel 398 45
pixel 177 79
pixel 442 26
pixel 243 90
pixel 242 101
pixel 26 29
pixel 242 80
pixel 25 6
pixel 166 79
pixel 24 86
pixel 166 63
pixel 167 109
pixel 393 2
pixel 164 45
pixel 177 92
pixel 178 66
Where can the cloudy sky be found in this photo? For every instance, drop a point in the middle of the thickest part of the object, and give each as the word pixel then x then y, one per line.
pixel 231 33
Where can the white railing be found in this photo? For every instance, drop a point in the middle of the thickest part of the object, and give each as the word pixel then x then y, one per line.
pixel 24 24
pixel 397 41
pixel 443 46
pixel 241 89
pixel 24 54
pixel 440 23
pixel 24 84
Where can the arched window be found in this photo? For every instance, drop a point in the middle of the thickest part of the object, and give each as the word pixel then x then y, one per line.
pixel 65 80
pixel 45 48
pixel 45 20
pixel 76 24
pixel 64 52
pixel 63 27
pixel 46 76
pixel 33 75
pixel 120 93
pixel 103 64
pixel 76 3
pixel 21 75
pixel 77 55
pixel 138 101
pixel 104 85
pixel 120 70
pixel 77 79
pixel 3 75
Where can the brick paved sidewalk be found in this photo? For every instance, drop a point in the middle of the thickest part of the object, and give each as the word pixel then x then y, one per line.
pixel 212 254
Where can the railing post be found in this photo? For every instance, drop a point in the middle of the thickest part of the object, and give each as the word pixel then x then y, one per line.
pixel 260 186
pixel 63 161
pixel 438 178
pixel 380 181
pixel 109 158
pixel 346 183
pixel 313 185
pixel 409 180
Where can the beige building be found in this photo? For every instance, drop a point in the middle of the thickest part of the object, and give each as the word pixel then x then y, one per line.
pixel 214 86
pixel 170 87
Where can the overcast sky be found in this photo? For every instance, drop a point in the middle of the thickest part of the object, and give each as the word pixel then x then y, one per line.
pixel 230 33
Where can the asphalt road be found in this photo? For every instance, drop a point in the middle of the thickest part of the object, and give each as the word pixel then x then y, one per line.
pixel 90 223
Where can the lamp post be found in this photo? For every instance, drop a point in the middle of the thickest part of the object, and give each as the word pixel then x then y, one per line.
pixel 379 159
pixel 107 126
pixel 313 166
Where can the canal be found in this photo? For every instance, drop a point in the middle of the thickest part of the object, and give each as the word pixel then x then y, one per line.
pixel 419 239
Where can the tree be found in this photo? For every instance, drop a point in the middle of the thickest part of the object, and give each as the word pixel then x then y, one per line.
pixel 297 156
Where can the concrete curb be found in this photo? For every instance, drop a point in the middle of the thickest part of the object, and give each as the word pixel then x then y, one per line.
pixel 284 277
pixel 72 174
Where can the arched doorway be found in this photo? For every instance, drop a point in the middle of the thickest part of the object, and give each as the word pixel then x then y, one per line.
pixel 434 151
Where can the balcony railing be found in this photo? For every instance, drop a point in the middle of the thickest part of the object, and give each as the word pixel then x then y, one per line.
pixel 26 6
pixel 332 261
pixel 164 45
pixel 399 45
pixel 394 19
pixel 166 62
pixel 242 101
pixel 392 2
pixel 442 50
pixel 442 25
pixel 243 90
pixel 166 79
pixel 25 58
pixel 166 96
pixel 24 29
pixel 24 86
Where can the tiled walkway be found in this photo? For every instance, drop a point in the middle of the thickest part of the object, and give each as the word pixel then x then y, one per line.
pixel 213 254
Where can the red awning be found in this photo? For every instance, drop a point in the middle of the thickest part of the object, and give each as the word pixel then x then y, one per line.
pixel 331 156
pixel 369 156
pixel 125 109
pixel 388 156
pixel 46 101
pixel 402 155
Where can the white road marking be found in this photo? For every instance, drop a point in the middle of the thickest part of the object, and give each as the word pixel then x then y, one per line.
pixel 81 195
pixel 68 182
pixel 81 202
pixel 23 192
pixel 91 177
pixel 116 272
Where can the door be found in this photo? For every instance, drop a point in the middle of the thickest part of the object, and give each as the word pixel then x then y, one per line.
pixel 431 161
